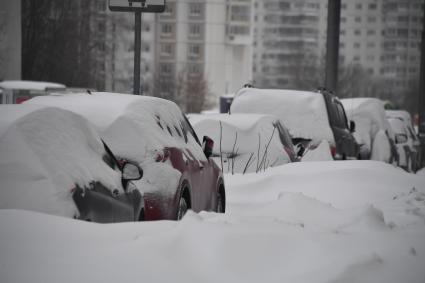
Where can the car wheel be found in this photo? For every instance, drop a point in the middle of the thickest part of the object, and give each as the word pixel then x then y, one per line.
pixel 220 203
pixel 182 209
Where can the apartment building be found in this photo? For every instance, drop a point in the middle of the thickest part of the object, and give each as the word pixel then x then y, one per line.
pixel 207 38
pixel 287 41
pixel 383 37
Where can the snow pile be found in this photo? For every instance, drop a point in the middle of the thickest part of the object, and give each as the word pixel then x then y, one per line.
pixel 41 161
pixel 242 139
pixel 351 221
pixel 303 113
pixel 370 119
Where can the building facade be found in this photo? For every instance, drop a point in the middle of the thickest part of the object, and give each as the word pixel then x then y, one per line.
pixel 287 42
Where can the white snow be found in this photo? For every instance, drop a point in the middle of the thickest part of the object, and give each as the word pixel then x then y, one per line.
pixel 40 162
pixel 320 153
pixel 31 85
pixel 371 125
pixel 351 221
pixel 303 113
pixel 242 135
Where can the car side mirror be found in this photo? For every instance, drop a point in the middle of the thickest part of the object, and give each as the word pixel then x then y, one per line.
pixel 400 138
pixel 207 146
pixel 352 126
pixel 131 172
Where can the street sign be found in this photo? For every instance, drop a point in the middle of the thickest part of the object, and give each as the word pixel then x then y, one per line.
pixel 145 6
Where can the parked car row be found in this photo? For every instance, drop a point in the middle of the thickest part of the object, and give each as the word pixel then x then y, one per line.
pixel 106 157
pixel 355 128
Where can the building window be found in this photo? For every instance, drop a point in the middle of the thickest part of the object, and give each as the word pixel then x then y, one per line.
pixel 371 32
pixel 372 6
pixel 356 58
pixel 166 69
pixel 371 44
pixel 356 45
pixel 194 30
pixel 166 49
pixel 357 32
pixel 359 6
pixel 194 51
pixel 146 27
pixel 166 29
pixel 358 19
pixel 195 9
pixel 343 19
pixel 342 32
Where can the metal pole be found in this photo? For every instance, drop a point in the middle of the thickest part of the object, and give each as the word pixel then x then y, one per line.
pixel 421 96
pixel 137 51
pixel 332 45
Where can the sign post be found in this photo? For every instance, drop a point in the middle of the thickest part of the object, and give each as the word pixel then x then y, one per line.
pixel 138 7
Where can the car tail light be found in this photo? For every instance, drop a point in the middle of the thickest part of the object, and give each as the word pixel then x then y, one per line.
pixel 333 151
pixel 21 99
pixel 162 155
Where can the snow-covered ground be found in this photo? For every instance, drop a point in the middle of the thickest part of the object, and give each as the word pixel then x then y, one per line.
pixel 353 221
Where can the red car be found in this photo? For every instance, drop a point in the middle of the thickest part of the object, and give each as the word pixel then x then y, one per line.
pixel 153 133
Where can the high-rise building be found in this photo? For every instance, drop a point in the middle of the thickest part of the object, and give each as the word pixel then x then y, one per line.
pixel 205 42
pixel 287 41
pixel 383 37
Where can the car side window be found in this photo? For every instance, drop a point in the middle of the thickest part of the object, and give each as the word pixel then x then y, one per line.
pixel 109 158
pixel 342 118
pixel 188 129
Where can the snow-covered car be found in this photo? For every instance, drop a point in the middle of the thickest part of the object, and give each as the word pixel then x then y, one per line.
pixel 407 142
pixel 311 117
pixel 152 132
pixel 16 92
pixel 53 161
pixel 373 132
pixel 248 142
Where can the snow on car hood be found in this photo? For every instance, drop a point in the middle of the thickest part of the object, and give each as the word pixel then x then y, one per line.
pixel 303 113
pixel 41 162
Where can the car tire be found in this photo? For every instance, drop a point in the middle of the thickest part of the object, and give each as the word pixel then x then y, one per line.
pixel 220 203
pixel 182 208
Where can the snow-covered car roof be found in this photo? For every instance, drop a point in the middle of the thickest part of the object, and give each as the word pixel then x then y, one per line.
pixel 30 85
pixel 132 125
pixel 304 113
pixel 45 152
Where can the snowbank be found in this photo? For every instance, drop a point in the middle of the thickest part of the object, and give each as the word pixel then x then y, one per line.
pixel 303 113
pixel 351 221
